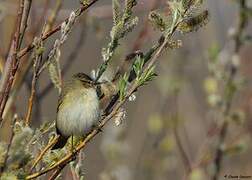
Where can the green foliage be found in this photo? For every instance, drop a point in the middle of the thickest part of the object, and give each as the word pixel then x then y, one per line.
pixel 123 23
pixel 122 86
pixel 147 75
pixel 138 66
pixel 143 76
pixel 53 156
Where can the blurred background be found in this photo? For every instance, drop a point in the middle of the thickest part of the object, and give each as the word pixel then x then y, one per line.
pixel 171 128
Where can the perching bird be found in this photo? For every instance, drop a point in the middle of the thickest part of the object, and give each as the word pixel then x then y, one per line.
pixel 78 108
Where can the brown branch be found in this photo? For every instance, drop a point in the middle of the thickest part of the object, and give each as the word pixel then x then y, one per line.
pixel 27 7
pixel 42 153
pixel 11 63
pixel 56 172
pixel 70 60
pixel 100 12
pixel 24 66
pixel 36 65
pixel 53 16
pixel 79 11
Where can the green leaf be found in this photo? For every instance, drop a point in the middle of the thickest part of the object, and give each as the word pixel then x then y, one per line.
pixel 138 66
pixel 123 86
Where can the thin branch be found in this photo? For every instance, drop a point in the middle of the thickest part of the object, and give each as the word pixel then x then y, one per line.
pixel 53 15
pixel 36 65
pixel 79 11
pixel 25 65
pixel 27 8
pixel 56 172
pixel 70 60
pixel 42 153
pixel 11 63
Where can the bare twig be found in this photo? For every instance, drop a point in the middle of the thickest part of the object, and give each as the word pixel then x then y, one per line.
pixel 36 65
pixel 27 7
pixel 53 16
pixel 24 66
pixel 42 153
pixel 56 172
pixel 79 11
pixel 70 59
pixel 11 64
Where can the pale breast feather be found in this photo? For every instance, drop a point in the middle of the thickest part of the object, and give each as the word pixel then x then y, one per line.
pixel 79 114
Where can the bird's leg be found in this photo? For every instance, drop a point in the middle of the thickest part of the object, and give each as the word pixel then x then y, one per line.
pixel 72 149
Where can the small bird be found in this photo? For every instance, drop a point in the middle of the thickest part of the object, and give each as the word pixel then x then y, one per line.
pixel 78 108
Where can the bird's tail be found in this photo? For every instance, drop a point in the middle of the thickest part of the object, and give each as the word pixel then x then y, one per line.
pixel 60 143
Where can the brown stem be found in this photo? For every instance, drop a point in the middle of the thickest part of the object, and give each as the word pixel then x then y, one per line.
pixel 42 153
pixel 27 8
pixel 56 172
pixel 33 89
pixel 11 64
pixel 182 151
pixel 79 11
pixel 70 60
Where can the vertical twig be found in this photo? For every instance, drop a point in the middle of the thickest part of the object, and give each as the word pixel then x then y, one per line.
pixel 242 22
pixel 53 16
pixel 27 7
pixel 70 60
pixel 37 61
pixel 11 64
